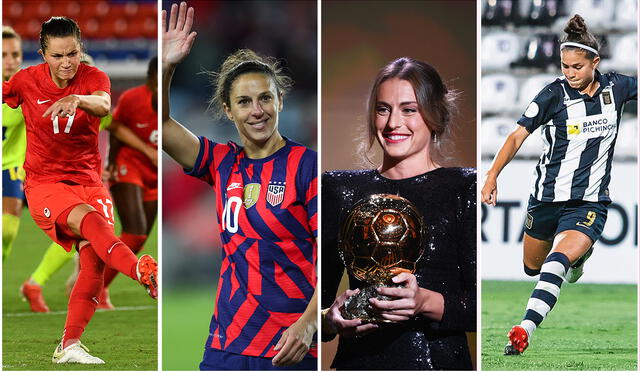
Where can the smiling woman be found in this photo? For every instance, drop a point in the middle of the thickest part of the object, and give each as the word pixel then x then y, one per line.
pixel 250 92
pixel 425 312
pixel 265 187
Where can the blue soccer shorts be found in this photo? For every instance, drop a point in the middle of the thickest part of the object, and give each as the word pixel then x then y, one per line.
pixel 546 219
pixel 12 183
pixel 215 359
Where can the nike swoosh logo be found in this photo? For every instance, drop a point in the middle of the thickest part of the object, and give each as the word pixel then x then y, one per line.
pixel 142 125
pixel 112 246
pixel 43 101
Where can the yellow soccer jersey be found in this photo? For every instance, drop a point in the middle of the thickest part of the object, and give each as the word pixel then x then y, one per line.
pixel 14 137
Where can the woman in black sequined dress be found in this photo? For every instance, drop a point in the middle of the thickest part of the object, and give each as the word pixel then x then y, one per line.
pixel 409 113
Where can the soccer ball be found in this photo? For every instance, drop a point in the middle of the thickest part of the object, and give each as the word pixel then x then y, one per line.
pixel 382 233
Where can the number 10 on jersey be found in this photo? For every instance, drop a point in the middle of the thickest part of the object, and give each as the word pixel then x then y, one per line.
pixel 230 214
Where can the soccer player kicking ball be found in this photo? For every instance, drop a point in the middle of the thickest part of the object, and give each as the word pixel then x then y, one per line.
pixel 568 204
pixel 62 101
pixel 55 258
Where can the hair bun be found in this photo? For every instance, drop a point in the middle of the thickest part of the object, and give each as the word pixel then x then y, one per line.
pixel 576 26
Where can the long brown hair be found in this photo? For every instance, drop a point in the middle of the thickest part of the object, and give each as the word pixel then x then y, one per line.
pixel 436 103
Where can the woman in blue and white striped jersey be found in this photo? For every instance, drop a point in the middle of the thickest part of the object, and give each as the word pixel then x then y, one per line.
pixel 578 116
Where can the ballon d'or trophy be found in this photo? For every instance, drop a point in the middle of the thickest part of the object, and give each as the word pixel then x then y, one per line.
pixel 381 237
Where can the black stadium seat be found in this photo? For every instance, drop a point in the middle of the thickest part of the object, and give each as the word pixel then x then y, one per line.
pixel 499 12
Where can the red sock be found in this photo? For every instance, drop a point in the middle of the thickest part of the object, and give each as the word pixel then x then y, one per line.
pixel 108 247
pixel 135 243
pixel 84 296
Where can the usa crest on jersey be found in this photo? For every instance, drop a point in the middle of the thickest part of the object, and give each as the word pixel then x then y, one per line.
pixel 275 193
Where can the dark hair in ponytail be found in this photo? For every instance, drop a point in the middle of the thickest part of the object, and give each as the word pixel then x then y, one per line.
pixel 59 27
pixel 241 62
pixel 576 31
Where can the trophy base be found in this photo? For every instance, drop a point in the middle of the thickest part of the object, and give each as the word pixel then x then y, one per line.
pixel 358 307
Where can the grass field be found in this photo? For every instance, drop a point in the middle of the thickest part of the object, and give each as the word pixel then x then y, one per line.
pixel 126 338
pixel 591 327
pixel 185 326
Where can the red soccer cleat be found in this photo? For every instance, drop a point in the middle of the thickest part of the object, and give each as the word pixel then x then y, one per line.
pixel 33 293
pixel 147 271
pixel 518 341
pixel 104 302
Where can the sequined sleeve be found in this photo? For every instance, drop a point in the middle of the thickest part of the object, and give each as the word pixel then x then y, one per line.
pixel 332 268
pixel 460 308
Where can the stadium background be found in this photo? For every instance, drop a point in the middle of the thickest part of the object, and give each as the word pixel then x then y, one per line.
pixel 191 242
pixel 520 55
pixel 121 36
pixel 358 40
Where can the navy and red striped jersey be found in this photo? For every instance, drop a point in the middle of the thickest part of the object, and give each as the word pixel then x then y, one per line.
pixel 267 213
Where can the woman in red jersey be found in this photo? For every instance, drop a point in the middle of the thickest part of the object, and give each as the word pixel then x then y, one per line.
pixel 133 166
pixel 265 313
pixel 62 101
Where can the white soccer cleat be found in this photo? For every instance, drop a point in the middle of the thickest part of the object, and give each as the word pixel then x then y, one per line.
pixel 74 353
pixel 577 270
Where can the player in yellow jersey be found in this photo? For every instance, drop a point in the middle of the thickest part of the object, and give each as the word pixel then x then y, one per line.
pixel 14 144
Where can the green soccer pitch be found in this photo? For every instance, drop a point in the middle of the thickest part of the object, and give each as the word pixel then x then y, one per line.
pixel 592 326
pixel 186 313
pixel 125 338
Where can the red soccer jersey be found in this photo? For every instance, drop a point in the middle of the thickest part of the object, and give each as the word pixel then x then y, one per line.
pixel 64 149
pixel 135 110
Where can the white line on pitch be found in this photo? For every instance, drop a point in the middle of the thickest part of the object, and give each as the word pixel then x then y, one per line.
pixel 24 314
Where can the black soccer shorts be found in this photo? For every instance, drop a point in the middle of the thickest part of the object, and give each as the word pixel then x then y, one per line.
pixel 546 219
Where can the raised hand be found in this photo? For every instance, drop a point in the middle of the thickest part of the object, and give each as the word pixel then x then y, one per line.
pixel 177 39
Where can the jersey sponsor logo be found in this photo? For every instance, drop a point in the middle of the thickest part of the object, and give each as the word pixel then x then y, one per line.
pixel 532 110
pixel 43 101
pixel 573 130
pixel 251 194
pixel 275 193
pixel 234 186
pixel 594 126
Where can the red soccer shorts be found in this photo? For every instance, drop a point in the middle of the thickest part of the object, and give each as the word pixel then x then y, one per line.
pixel 48 201
pixel 141 173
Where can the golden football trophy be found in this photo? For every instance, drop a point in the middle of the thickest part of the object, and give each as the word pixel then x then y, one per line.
pixel 381 236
